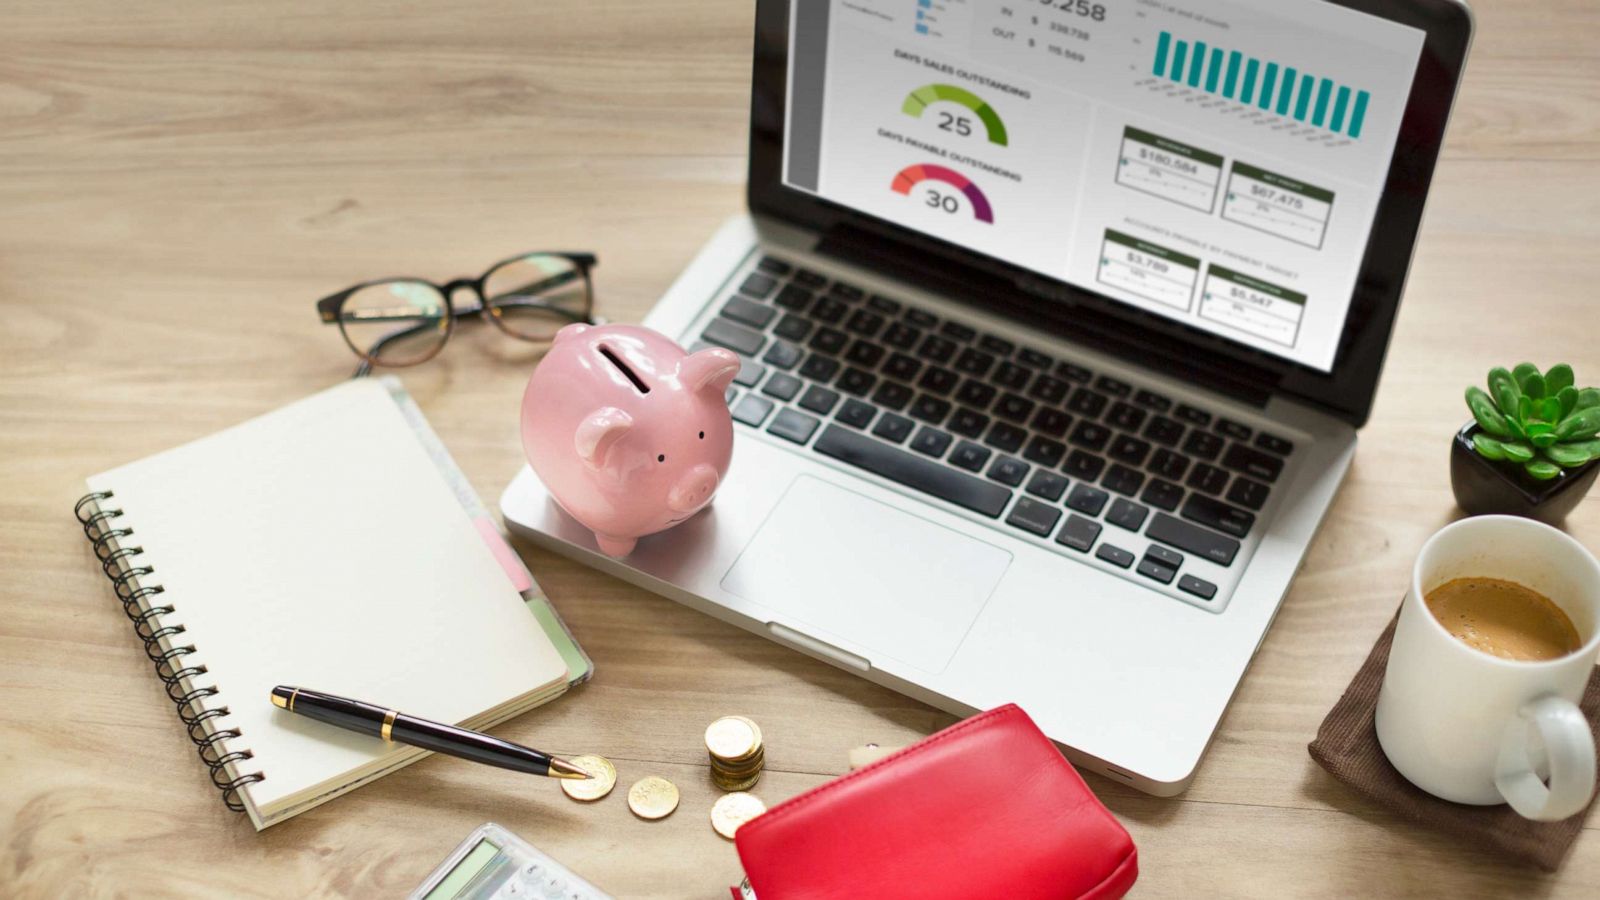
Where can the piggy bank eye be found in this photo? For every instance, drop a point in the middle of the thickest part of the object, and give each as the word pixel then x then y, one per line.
pixel 702 435
pixel 661 457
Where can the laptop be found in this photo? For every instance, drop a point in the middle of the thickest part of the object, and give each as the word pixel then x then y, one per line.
pixel 1057 323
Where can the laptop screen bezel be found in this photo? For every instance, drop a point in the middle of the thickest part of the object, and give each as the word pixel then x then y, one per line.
pixel 1346 391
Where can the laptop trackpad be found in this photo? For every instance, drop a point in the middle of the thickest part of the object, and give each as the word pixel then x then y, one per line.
pixel 854 568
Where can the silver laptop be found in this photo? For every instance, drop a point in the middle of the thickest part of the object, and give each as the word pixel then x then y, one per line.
pixel 1058 321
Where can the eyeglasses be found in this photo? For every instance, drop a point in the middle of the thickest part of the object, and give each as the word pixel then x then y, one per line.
pixel 406 321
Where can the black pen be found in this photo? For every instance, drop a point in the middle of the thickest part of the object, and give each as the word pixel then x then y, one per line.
pixel 397 727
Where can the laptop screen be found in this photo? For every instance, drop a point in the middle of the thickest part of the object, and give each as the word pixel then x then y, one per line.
pixel 1218 162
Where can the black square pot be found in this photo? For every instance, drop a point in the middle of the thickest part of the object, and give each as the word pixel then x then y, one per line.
pixel 1486 487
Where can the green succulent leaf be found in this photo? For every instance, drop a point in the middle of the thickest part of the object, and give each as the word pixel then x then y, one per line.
pixel 1532 385
pixel 1515 428
pixel 1588 398
pixel 1559 376
pixel 1582 424
pixel 1550 409
pixel 1568 400
pixel 1571 456
pixel 1488 447
pixel 1542 440
pixel 1525 411
pixel 1516 451
pixel 1523 370
pixel 1503 388
pixel 1483 409
pixel 1542 470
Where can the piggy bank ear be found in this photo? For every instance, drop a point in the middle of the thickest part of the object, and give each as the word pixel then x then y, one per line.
pixel 570 331
pixel 709 370
pixel 598 434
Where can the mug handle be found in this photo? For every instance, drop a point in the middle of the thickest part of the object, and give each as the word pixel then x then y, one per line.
pixel 1569 747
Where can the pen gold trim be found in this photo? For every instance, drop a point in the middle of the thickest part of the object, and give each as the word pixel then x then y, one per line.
pixel 388 725
pixel 288 704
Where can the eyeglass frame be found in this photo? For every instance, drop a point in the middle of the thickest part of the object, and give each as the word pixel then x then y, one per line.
pixel 328 307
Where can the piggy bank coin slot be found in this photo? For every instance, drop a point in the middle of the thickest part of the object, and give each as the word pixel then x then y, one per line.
pixel 625 370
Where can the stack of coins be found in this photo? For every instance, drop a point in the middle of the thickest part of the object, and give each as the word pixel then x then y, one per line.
pixel 737 754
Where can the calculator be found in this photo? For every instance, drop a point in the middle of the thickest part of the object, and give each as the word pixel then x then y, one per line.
pixel 494 863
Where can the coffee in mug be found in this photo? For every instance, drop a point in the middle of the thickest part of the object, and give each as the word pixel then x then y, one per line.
pixel 1503 618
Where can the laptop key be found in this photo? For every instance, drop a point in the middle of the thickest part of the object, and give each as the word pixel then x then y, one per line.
pixel 916 472
pixel 819 368
pixel 774 265
pixel 1090 435
pixel 864 353
pixel 750 372
pixel 974 362
pixel 1169 464
pixel 728 395
pixel 1192 415
pixel 1053 422
pixel 884 304
pixel 1086 402
pixel 930 409
pixel 819 400
pixel 920 318
pixel 1034 358
pixel 783 355
pixel 1005 437
pixel 999 346
pixel 1129 449
pixel 758 285
pixel 864 322
pixel 1199 587
pixel 902 336
pixel 1235 430
pixel 1079 533
pixel 892 395
pixel 1207 478
pixel 1126 416
pixel 1048 390
pixel 1172 559
pixel 782 385
pixel 892 427
pixel 1044 451
pixel 938 381
pixel 970 456
pixel 968 423
pixel 1163 430
pixel 829 340
pixel 1153 400
pixel 829 310
pixel 810 279
pixel 847 291
pixel 1112 386
pixel 1123 480
pixel 931 442
pixel 793 425
pixel 1014 408
pixel 1216 514
pixel 1274 444
pixel 794 297
pixel 737 338
pixel 855 413
pixel 854 381
pixel 976 394
pixel 1046 484
pixel 937 349
pixel 792 328
pixel 1115 555
pixel 902 367
pixel 749 312
pixel 1248 494
pixel 1087 500
pixel 1154 570
pixel 1084 466
pixel 752 410
pixel 1203 444
pixel 1162 494
pixel 1189 538
pixel 1253 462
pixel 1008 470
pixel 1127 514
pixel 959 331
pixel 1034 517
pixel 1073 372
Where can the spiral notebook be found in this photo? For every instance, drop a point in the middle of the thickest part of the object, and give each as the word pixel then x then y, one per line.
pixel 333 544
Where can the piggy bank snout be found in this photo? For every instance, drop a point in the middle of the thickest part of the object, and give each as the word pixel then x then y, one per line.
pixel 693 490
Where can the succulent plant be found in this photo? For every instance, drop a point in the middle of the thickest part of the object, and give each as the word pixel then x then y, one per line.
pixel 1541 422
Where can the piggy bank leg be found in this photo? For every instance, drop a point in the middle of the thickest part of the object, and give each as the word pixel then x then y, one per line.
pixel 615 546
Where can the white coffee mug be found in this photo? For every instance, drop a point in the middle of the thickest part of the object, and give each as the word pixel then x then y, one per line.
pixel 1474 728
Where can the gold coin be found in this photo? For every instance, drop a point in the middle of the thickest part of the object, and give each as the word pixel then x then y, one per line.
pixel 732 810
pixel 602 778
pixel 653 797
pixel 744 767
pixel 735 783
pixel 754 728
pixel 732 738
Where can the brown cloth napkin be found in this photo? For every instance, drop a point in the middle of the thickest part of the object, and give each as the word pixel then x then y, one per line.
pixel 1347 746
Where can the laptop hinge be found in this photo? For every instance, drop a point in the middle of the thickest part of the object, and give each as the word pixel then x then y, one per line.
pixel 1060 316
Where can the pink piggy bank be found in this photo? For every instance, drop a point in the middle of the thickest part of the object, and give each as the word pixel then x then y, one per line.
pixel 630 434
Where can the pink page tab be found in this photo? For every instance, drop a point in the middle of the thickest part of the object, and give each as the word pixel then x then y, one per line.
pixel 508 559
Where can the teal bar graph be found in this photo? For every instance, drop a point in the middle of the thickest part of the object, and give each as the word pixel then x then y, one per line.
pixel 1267 85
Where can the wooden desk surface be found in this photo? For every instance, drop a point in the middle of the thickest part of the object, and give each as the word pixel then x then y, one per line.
pixel 178 182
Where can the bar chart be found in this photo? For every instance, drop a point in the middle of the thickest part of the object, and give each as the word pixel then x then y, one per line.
pixel 1276 88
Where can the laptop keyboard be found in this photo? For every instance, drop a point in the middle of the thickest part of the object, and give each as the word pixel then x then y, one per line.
pixel 1084 461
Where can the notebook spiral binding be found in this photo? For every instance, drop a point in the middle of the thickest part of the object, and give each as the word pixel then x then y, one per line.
pixel 150 624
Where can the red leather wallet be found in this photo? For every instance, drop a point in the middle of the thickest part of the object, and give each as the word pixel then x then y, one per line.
pixel 985 808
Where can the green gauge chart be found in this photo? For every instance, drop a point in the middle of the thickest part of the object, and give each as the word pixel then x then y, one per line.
pixel 929 94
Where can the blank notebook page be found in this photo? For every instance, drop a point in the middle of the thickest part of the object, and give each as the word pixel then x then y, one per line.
pixel 319 546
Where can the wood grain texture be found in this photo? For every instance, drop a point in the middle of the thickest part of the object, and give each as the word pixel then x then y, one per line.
pixel 179 181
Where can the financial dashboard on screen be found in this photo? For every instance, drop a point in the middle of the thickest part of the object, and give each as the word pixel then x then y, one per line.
pixel 1218 162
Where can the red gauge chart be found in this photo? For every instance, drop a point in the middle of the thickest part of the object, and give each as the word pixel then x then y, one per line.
pixel 911 176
